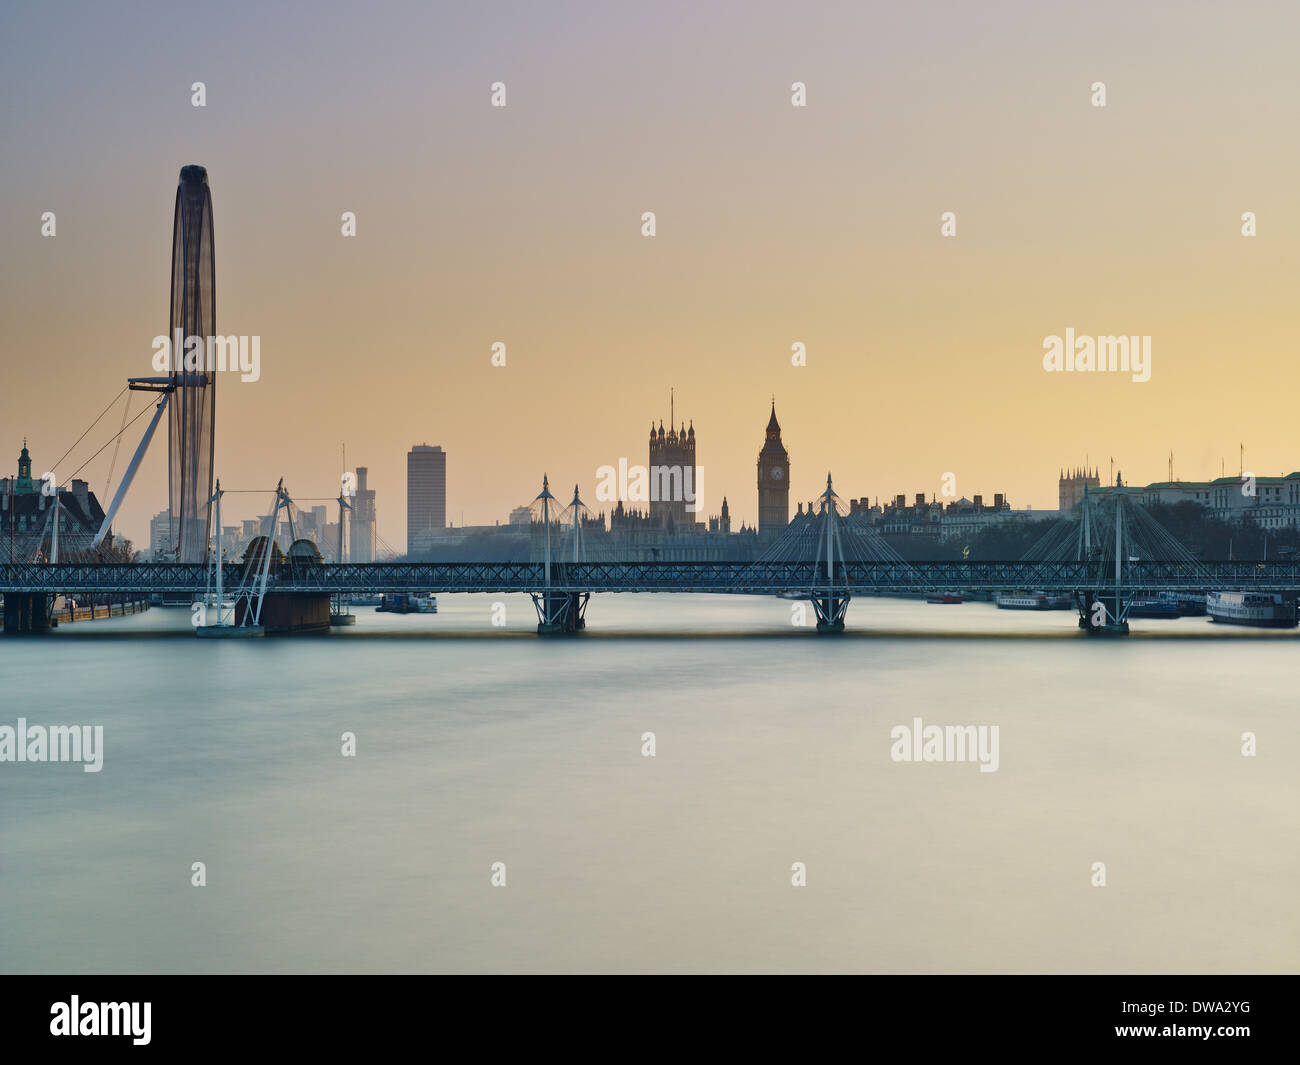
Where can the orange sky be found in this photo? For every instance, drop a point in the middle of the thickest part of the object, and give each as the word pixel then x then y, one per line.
pixel 775 225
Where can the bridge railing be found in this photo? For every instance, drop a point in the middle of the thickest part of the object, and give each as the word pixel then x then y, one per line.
pixel 753 578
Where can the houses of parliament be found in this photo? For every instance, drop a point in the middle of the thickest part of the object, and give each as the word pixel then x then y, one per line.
pixel 675 448
pixel 661 529
pixel 773 483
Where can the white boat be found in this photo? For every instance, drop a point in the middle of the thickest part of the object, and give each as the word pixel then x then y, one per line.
pixel 1266 610
pixel 1024 601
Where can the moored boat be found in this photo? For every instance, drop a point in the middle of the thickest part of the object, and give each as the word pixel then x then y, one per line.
pixel 407 603
pixel 1266 610
pixel 1163 605
pixel 1024 601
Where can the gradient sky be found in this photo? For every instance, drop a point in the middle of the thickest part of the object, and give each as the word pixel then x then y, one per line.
pixel 775 225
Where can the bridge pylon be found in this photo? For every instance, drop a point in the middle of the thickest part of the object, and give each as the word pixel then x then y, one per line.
pixel 830 599
pixel 560 611
pixel 1104 611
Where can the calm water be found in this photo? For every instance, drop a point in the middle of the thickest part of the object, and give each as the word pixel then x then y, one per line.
pixel 478 745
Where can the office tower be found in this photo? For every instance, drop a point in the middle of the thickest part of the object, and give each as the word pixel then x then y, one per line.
pixel 426 491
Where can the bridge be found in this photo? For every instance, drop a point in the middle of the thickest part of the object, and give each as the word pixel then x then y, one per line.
pixel 826 557
pixel 742 578
pixel 562 590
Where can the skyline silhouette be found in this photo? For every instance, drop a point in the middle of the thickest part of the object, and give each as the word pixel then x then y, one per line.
pixel 776 226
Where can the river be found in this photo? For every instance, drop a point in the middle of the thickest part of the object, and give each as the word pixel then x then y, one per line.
pixel 773 746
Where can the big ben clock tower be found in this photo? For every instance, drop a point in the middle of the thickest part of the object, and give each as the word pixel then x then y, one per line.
pixel 773 484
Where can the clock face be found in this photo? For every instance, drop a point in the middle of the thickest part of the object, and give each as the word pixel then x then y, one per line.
pixel 777 473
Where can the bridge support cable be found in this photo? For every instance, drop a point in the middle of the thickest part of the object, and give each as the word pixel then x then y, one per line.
pixel 1124 556
pixel 131 469
pixel 241 616
pixel 832 553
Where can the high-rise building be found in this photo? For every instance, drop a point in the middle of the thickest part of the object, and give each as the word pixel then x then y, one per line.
pixel 329 542
pixel 192 407
pixel 160 535
pixel 361 521
pixel 773 483
pixel 426 491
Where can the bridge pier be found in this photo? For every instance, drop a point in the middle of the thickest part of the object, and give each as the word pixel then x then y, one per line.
pixel 289 613
pixel 27 613
pixel 830 610
pixel 560 613
pixel 1100 615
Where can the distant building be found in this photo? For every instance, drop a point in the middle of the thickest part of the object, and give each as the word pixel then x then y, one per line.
pixel 674 479
pixel 966 517
pixel 959 518
pixel 521 516
pixel 773 483
pixel 361 521
pixel 27 515
pixel 426 491
pixel 231 545
pixel 1071 487
pixel 722 523
pixel 672 485
pixel 329 543
pixel 864 507
pixel 160 535
pixel 1269 502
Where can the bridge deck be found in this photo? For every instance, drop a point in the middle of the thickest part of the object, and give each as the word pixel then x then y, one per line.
pixel 745 578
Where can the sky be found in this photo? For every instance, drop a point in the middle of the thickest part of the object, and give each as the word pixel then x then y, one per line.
pixel 775 225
